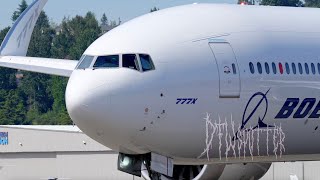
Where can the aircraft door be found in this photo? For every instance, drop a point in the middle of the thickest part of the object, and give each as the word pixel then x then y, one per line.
pixel 229 74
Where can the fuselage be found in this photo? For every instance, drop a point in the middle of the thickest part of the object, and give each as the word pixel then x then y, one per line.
pixel 226 85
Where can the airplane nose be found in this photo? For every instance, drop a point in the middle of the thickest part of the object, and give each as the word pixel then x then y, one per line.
pixel 86 99
pixel 90 107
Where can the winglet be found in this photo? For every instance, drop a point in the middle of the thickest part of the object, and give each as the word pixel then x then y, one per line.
pixel 17 40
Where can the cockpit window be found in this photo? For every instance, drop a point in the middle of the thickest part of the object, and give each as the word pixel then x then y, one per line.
pixel 107 62
pixel 85 62
pixel 130 61
pixel 146 62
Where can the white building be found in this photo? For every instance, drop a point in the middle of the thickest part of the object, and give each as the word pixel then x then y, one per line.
pixel 55 152
pixel 65 153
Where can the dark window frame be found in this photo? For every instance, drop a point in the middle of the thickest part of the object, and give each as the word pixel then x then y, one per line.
pixel 306 67
pixel 287 68
pixel 267 68
pixel 274 68
pixel 99 58
pixel 251 67
pixel 136 66
pixel 313 68
pixel 294 69
pixel 151 63
pixel 234 68
pixel 300 68
pixel 259 67
pixel 84 64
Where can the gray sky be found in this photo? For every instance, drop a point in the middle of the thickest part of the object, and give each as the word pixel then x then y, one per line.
pixel 125 9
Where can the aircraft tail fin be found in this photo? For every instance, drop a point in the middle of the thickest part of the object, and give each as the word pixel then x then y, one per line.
pixel 17 40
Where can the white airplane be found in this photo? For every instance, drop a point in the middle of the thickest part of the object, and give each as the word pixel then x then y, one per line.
pixel 201 91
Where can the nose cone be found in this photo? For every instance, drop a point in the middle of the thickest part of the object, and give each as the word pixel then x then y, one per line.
pixel 89 105
pixel 88 101
pixel 84 92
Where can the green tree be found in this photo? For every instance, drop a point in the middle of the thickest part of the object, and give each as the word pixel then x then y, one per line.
pixel 63 41
pixel 75 36
pixel 312 3
pixel 247 2
pixel 3 33
pixel 294 3
pixel 38 98
pixel 22 6
pixel 12 111
pixel 35 85
pixel 58 88
pixel 40 44
pixel 154 9
pixel 86 30
pixel 7 75
pixel 104 20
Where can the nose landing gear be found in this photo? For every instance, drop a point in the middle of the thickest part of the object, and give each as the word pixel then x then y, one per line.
pixel 150 166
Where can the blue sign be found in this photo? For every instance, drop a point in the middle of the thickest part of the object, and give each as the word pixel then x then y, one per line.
pixel 4 138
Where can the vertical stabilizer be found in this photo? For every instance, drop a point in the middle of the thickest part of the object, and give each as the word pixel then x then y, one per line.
pixel 17 40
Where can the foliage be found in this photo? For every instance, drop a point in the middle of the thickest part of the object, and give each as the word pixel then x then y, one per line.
pixel 154 9
pixel 247 2
pixel 39 98
pixel 20 9
pixel 75 36
pixel 294 3
pixel 104 20
pixel 312 3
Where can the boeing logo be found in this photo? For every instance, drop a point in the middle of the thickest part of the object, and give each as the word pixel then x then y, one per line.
pixel 248 114
pixel 303 110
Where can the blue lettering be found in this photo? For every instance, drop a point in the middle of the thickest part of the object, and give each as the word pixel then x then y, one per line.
pixel 309 102
pixel 189 100
pixel 186 100
pixel 194 101
pixel 315 114
pixel 287 108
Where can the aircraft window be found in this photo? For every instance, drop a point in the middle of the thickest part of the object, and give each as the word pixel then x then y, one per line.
pixel 300 68
pixel 259 68
pixel 83 56
pixel 85 62
pixel 146 62
pixel 280 68
pixel 294 70
pixel 313 68
pixel 319 68
pixel 266 66
pixel 307 68
pixel 234 68
pixel 274 68
pixel 251 68
pixel 287 68
pixel 130 61
pixel 111 61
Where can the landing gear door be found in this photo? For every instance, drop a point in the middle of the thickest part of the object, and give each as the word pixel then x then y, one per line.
pixel 229 77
